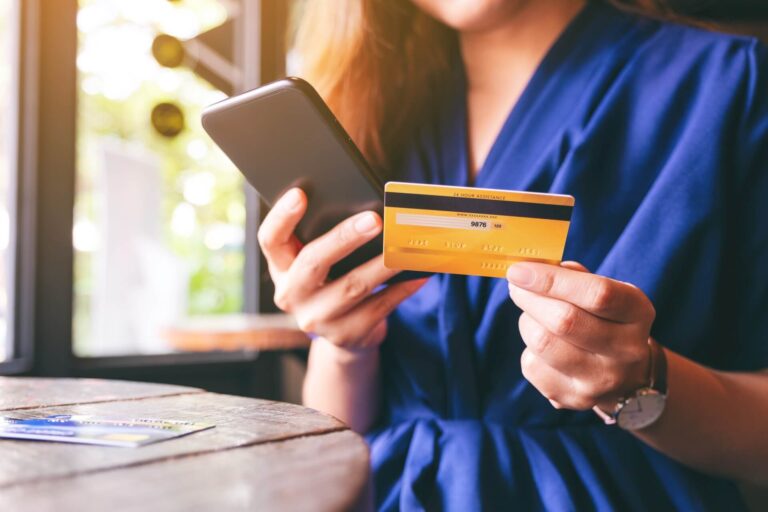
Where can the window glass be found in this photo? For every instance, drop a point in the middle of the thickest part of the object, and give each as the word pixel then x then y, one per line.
pixel 159 213
pixel 8 77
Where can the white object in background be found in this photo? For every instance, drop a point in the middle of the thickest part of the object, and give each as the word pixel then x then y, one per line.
pixel 138 284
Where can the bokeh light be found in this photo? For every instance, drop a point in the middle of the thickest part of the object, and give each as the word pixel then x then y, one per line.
pixel 190 208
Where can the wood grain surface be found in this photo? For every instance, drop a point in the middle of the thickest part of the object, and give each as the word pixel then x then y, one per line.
pixel 309 473
pixel 260 455
pixel 26 392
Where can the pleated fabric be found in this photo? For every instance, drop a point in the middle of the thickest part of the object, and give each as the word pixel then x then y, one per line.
pixel 661 133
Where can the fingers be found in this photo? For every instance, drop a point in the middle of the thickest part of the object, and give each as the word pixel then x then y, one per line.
pixel 311 266
pixel 346 292
pixel 601 296
pixel 579 391
pixel 561 390
pixel 585 335
pixel 339 242
pixel 557 353
pixel 569 323
pixel 353 328
pixel 278 244
pixel 588 332
pixel 592 372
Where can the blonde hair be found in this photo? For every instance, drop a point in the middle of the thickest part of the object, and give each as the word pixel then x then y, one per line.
pixel 376 63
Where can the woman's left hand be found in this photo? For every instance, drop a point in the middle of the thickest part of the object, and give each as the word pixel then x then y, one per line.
pixel 586 336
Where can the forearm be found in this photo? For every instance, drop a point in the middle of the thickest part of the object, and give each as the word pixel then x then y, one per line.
pixel 343 383
pixel 716 422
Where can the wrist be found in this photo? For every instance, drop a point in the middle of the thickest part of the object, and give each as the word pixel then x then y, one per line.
pixel 646 403
pixel 347 356
pixel 638 375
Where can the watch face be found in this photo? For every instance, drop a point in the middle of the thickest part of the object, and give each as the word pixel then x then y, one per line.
pixel 641 410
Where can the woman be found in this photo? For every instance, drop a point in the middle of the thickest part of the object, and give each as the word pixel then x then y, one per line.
pixel 478 393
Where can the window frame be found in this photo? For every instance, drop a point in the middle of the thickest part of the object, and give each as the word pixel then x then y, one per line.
pixel 21 280
pixel 45 197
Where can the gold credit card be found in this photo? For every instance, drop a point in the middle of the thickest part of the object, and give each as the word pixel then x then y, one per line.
pixel 472 231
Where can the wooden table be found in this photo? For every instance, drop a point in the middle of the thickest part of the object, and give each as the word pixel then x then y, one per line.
pixel 262 455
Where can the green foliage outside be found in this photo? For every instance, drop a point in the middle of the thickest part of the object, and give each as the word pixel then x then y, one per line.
pixel 215 260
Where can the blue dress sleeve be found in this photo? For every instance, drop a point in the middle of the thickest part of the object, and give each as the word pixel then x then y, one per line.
pixel 749 225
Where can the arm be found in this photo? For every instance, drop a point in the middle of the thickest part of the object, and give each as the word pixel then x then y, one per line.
pixel 714 421
pixel 586 345
pixel 343 383
pixel 347 314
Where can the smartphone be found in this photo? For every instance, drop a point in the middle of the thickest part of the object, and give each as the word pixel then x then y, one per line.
pixel 282 135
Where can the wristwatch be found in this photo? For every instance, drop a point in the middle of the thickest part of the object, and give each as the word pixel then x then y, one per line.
pixel 645 405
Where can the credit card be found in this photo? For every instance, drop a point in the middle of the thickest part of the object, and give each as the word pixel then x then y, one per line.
pixel 471 231
pixel 105 431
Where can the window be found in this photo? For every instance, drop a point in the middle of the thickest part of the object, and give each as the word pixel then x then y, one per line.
pixel 123 217
pixel 159 216
pixel 8 118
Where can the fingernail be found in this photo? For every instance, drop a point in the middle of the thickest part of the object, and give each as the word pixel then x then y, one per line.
pixel 521 275
pixel 366 223
pixel 292 200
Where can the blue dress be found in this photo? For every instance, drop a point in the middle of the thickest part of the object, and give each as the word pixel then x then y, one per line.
pixel 661 133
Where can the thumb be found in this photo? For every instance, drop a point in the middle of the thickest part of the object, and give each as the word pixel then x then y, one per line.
pixel 574 265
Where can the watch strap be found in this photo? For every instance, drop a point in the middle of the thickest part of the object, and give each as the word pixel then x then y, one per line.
pixel 658 379
pixel 608 419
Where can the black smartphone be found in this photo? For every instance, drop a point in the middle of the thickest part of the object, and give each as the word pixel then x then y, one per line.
pixel 282 135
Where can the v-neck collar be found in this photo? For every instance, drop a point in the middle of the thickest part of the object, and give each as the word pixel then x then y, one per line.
pixel 573 54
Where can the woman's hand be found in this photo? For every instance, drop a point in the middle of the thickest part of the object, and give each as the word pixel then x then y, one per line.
pixel 346 311
pixel 586 335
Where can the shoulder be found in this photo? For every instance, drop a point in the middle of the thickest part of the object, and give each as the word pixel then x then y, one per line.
pixel 672 71
pixel 719 83
pixel 687 89
pixel 704 39
pixel 701 59
pixel 675 105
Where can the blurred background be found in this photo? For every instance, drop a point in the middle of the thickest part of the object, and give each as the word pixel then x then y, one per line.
pixel 159 214
pixel 158 227
pixel 127 239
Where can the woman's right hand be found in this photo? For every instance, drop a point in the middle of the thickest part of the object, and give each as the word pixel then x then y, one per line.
pixel 345 311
